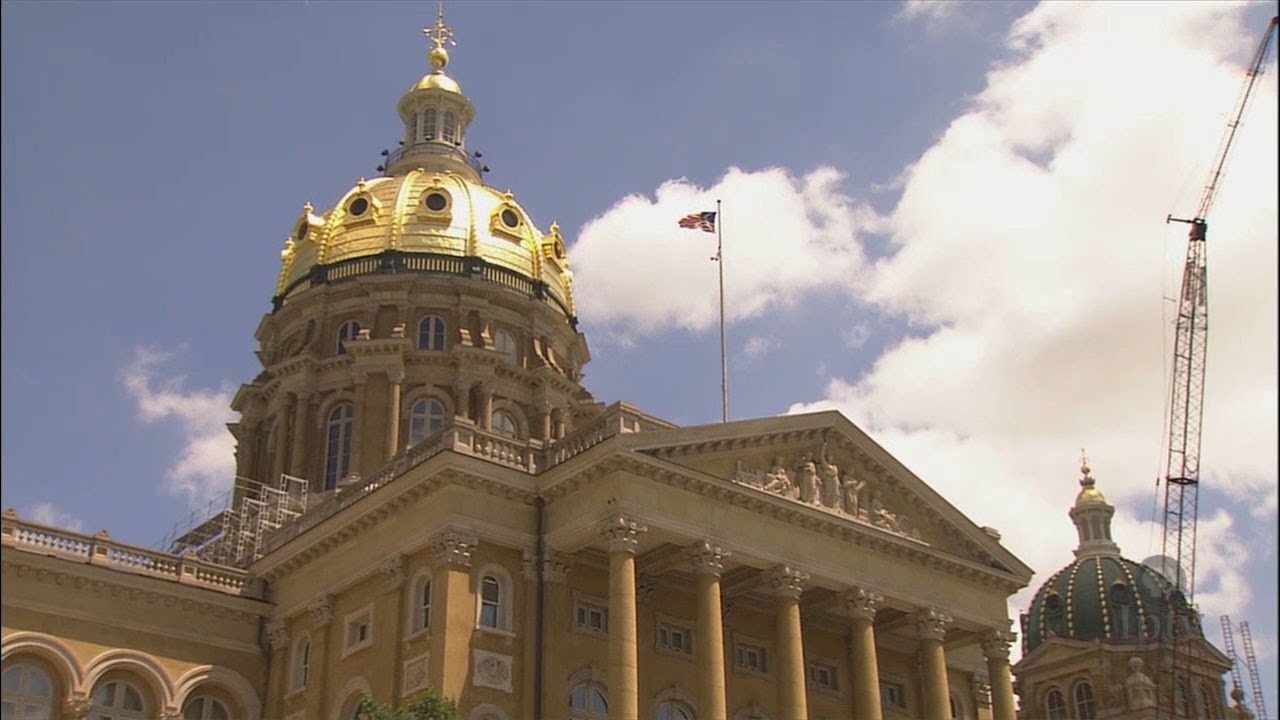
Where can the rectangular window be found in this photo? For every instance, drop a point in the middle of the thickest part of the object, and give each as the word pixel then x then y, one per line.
pixel 750 657
pixel 893 694
pixel 358 630
pixel 674 639
pixel 822 676
pixel 590 617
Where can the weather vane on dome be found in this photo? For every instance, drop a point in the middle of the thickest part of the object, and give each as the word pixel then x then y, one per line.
pixel 1084 463
pixel 441 35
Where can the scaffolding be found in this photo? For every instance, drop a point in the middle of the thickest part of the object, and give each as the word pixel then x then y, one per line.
pixel 1229 644
pixel 231 530
pixel 1251 664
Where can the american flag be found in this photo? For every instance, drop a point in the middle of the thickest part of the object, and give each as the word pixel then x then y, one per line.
pixel 704 221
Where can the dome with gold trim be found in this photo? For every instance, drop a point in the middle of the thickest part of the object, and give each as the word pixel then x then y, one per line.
pixel 430 213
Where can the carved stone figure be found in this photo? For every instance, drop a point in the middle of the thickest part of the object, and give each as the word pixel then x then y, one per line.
pixel 880 515
pixel 830 474
pixel 807 479
pixel 777 480
pixel 852 488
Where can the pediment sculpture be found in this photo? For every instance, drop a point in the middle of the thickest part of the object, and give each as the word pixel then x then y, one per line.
pixel 820 482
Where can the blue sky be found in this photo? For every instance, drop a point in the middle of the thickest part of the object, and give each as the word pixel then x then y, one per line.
pixel 944 220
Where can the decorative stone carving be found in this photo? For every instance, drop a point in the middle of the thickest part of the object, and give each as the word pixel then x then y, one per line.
pixel 1139 690
pixel 645 585
pixel 321 611
pixel 278 634
pixel 995 645
pixel 807 479
pixel 415 674
pixel 555 566
pixel 76 707
pixel 981 689
pixel 707 558
pixel 932 625
pixel 393 572
pixel 829 474
pixel 861 604
pixel 785 581
pixel 491 670
pixel 453 547
pixel 623 533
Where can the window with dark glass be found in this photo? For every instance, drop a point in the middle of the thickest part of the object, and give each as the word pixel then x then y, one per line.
pixel 490 601
pixel 431 333
pixel 1055 706
pixel 348 330
pixel 426 417
pixel 339 434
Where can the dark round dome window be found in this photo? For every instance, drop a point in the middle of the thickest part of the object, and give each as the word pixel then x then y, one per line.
pixel 301 232
pixel 510 219
pixel 437 202
pixel 358 207
pixel 1053 602
pixel 1120 594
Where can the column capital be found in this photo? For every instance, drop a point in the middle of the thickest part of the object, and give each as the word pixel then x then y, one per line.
pixel 556 566
pixel 995 645
pixel 278 634
pixel 861 604
pixel 77 706
pixel 623 533
pixel 453 547
pixel 321 611
pixel 392 572
pixel 981 688
pixel 707 558
pixel 786 582
pixel 931 624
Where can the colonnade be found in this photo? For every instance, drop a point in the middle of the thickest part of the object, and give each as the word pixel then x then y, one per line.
pixel 786 585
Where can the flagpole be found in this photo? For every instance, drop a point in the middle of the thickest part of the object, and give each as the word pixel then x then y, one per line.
pixel 724 357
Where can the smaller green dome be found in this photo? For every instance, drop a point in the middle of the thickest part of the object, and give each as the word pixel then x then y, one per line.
pixel 1108 598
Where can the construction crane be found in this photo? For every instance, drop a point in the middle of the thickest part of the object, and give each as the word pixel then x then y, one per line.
pixel 1251 664
pixel 1182 470
pixel 1229 647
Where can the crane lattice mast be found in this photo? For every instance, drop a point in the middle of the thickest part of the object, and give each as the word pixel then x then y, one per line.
pixel 1182 469
pixel 1251 664
pixel 1229 647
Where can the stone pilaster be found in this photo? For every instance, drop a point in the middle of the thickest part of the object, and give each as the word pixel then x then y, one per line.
pixel 623 535
pixel 395 380
pixel 861 606
pixel 708 565
pixel 787 584
pixel 320 613
pixel 931 629
pixel 453 611
pixel 995 646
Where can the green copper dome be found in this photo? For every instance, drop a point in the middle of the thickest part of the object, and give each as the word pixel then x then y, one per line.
pixel 1104 597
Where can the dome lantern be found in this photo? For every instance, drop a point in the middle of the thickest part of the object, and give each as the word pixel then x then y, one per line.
pixel 1092 517
pixel 436 115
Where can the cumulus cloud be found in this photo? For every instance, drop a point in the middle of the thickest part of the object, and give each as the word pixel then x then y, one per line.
pixel 1029 238
pixel 757 346
pixel 784 236
pixel 930 12
pixel 46 513
pixel 205 467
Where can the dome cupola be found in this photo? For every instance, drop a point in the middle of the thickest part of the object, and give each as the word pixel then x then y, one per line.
pixel 1092 516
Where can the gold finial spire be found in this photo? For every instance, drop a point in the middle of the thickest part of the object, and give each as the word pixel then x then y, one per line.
pixel 1084 465
pixel 441 35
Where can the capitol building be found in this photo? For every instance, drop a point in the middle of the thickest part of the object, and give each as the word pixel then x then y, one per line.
pixel 428 497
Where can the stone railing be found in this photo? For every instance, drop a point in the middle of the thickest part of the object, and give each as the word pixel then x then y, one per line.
pixel 617 419
pixel 100 549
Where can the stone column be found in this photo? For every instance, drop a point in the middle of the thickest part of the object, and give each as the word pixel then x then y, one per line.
pixel 787 584
pixel 462 393
pixel 486 407
pixel 561 425
pixel 623 534
pixel 279 454
pixel 931 628
pixel 278 638
pixel 708 634
pixel 453 612
pixel 865 672
pixel 358 424
pixel 394 383
pixel 298 453
pixel 544 410
pixel 393 582
pixel 321 612
pixel 995 646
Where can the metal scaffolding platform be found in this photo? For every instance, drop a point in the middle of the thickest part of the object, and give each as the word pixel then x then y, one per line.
pixel 231 530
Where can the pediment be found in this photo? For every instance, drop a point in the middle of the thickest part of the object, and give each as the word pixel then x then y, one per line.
pixel 824 462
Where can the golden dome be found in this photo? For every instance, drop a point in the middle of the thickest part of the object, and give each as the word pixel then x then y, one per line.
pixel 1089 493
pixel 437 81
pixel 425 214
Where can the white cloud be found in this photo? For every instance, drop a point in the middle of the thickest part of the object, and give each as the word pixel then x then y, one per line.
pixel 758 346
pixel 206 466
pixel 930 12
pixel 856 336
pixel 46 513
pixel 783 236
pixel 1029 237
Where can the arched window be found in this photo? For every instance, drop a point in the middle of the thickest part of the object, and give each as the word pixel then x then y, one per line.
pixel 431 333
pixel 116 700
pixel 672 710
pixel 1085 707
pixel 1181 700
pixel 205 708
pixel 504 424
pixel 337 462
pixel 1206 702
pixel 426 417
pixel 588 701
pixel 301 663
pixel 348 330
pixel 505 344
pixel 450 127
pixel 1055 707
pixel 28 692
pixel 490 601
pixel 414 129
pixel 429 125
pixel 421 604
